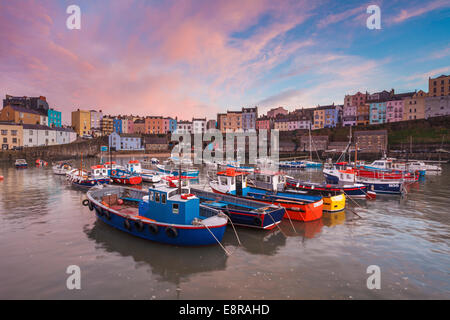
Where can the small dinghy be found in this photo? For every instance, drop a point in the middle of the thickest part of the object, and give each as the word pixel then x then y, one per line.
pixel 163 214
pixel 21 164
pixel 62 168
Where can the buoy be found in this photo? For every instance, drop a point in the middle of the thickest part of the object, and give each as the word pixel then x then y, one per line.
pixel 120 202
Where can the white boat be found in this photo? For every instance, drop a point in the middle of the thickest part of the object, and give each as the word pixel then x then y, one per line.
pixel 62 168
pixel 147 175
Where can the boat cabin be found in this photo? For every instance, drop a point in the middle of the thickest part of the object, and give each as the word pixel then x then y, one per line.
pixel 270 180
pixel 232 181
pixel 99 171
pixel 134 166
pixel 166 204
pixel 382 165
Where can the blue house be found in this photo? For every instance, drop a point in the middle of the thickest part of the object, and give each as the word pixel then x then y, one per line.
pixel 54 118
pixel 117 125
pixel 125 141
pixel 377 112
pixel 172 125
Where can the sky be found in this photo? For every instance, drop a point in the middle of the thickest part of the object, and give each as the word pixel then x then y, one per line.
pixel 195 58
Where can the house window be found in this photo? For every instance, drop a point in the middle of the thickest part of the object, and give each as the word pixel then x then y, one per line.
pixel 14 140
pixel 4 132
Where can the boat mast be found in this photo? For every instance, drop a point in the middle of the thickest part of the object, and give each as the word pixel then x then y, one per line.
pixel 310 144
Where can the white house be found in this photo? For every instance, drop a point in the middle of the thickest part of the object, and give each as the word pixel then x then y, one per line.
pixel 198 125
pixel 125 141
pixel 65 135
pixel 35 135
pixel 184 127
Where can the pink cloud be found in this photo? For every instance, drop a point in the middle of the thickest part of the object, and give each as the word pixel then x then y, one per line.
pixel 179 58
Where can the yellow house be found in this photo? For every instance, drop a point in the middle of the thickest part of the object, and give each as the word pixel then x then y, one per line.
pixel 81 122
pixel 319 119
pixel 414 107
pixel 11 135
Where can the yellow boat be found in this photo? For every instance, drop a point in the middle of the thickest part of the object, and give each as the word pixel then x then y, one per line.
pixel 334 203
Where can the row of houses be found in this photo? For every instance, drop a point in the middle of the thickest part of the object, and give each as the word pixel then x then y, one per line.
pixel 29 110
pixel 18 135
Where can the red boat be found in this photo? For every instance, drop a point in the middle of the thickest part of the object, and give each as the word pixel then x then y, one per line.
pixel 123 177
pixel 408 176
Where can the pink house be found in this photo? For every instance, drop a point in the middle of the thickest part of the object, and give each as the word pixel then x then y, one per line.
pixel 263 123
pixel 394 110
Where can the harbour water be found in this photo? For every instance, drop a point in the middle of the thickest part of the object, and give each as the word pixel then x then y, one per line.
pixel 44 229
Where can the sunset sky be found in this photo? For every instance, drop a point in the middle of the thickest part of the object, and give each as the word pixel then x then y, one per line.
pixel 190 58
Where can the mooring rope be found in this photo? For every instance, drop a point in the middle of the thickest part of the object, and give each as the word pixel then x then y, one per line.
pixel 224 249
pixel 290 220
pixel 235 232
pixel 277 224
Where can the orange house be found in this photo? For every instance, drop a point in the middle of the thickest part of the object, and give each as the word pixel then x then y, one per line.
pixel 154 125
pixel 19 114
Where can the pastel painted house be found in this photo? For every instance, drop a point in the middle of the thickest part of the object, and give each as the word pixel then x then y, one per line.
pixel 394 110
pixel 117 125
pixel 377 112
pixel 125 141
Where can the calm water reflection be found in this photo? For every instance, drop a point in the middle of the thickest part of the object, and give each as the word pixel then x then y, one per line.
pixel 44 229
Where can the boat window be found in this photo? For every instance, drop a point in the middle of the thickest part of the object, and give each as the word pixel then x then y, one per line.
pixel 157 196
pixel 175 208
pixel 163 198
pixel 150 196
pixel 223 181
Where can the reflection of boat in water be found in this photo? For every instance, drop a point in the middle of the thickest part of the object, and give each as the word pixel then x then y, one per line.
pixel 256 242
pixel 333 219
pixel 306 230
pixel 174 265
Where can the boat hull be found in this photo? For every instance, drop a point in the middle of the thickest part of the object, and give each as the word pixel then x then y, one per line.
pixel 87 184
pixel 295 210
pixel 127 180
pixel 266 221
pixel 390 187
pixel 356 192
pixel 186 235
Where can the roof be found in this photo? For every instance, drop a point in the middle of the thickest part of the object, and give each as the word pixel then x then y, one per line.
pixel 9 123
pixel 231 172
pixel 36 127
pixel 23 109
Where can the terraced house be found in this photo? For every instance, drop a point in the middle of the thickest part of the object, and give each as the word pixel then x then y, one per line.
pixel 414 106
pixel 11 135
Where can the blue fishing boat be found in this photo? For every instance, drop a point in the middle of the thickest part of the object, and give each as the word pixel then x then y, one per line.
pixel 299 207
pixel 163 214
pixel 86 180
pixel 242 212
pixel 379 186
